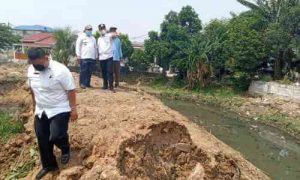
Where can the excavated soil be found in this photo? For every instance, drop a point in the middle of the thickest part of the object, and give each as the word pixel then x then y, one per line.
pixel 132 135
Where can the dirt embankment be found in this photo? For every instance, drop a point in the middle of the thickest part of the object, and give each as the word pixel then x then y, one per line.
pixel 132 135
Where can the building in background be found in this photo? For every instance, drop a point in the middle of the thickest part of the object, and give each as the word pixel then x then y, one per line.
pixel 29 30
pixel 44 40
pixel 138 45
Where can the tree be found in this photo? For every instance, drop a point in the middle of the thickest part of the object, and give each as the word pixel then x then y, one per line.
pixel 273 10
pixel 245 46
pixel 278 41
pixel 245 49
pixel 189 19
pixel 64 47
pixel 282 25
pixel 7 38
pixel 176 33
pixel 156 48
pixel 127 47
pixel 217 31
pixel 138 60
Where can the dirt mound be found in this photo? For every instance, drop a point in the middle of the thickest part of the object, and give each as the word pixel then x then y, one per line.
pixel 167 152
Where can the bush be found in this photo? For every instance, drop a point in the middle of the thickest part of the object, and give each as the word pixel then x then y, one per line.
pixel 241 81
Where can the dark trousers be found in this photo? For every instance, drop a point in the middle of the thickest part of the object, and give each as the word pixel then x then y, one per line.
pixel 107 72
pixel 117 72
pixel 52 132
pixel 87 66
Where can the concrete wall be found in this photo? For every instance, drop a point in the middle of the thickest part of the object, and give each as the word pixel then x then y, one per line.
pixel 286 92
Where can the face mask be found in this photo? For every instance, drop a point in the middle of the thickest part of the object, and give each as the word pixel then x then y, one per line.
pixel 39 67
pixel 88 33
pixel 103 32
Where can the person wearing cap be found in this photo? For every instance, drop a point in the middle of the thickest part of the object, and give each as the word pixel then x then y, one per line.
pixel 106 57
pixel 86 51
pixel 54 104
pixel 117 55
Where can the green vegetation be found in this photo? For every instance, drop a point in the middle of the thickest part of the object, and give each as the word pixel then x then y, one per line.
pixel 7 38
pixel 64 47
pixel 127 47
pixel 267 36
pixel 22 168
pixel 9 127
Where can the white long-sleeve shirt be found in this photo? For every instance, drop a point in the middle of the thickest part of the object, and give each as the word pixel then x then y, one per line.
pixel 86 47
pixel 105 47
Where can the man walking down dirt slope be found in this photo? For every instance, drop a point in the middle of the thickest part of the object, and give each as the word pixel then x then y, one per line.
pixel 53 93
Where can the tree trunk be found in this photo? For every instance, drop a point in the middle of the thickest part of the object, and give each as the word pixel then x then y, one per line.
pixel 278 66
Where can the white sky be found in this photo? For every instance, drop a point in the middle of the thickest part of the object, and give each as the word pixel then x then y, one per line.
pixel 134 17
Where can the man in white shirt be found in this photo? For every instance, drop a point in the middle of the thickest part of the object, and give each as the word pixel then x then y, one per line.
pixel 86 51
pixel 54 99
pixel 106 57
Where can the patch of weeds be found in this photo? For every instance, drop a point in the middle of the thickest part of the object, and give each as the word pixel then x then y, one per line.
pixel 9 126
pixel 21 168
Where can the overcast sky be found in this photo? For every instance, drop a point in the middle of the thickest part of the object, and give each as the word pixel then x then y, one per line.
pixel 134 17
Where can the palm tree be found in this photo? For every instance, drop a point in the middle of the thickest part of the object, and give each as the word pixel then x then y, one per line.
pixel 272 10
pixel 64 47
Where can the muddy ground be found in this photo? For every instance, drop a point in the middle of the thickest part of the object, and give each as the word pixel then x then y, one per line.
pixel 125 135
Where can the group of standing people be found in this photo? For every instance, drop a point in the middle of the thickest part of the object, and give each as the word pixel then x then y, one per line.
pixel 107 49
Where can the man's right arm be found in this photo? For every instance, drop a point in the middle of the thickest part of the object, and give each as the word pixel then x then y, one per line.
pixel 78 48
pixel 33 99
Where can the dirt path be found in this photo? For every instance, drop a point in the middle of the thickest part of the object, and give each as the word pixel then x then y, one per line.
pixel 132 135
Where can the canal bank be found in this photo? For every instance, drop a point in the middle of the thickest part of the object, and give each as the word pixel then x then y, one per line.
pixel 275 112
pixel 271 150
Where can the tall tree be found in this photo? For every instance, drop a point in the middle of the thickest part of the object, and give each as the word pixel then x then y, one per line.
pixel 156 48
pixel 7 38
pixel 189 19
pixel 217 31
pixel 245 47
pixel 281 27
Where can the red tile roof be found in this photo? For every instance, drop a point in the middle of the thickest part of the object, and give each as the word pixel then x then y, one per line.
pixel 39 40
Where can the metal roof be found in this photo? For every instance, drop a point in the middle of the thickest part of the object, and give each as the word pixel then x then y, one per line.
pixel 33 28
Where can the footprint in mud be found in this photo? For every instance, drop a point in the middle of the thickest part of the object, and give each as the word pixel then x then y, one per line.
pixel 167 152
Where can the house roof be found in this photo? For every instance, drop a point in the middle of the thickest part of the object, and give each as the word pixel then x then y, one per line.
pixel 33 28
pixel 39 40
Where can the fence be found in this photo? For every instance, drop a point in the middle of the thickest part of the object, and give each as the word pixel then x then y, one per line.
pixel 286 92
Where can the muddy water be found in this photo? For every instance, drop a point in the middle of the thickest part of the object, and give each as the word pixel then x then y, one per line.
pixel 271 150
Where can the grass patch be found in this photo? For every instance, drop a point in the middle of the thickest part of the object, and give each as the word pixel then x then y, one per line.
pixel 9 127
pixel 283 121
pixel 22 168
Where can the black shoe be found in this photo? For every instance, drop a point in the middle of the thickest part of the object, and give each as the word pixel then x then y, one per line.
pixel 82 86
pixel 112 89
pixel 44 171
pixel 65 158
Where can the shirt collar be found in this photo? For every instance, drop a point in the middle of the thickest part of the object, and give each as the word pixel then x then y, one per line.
pixel 50 64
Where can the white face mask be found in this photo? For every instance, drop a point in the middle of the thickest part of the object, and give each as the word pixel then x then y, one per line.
pixel 103 32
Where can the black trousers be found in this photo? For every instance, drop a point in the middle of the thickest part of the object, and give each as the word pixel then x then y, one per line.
pixel 117 67
pixel 50 132
pixel 87 67
pixel 107 72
